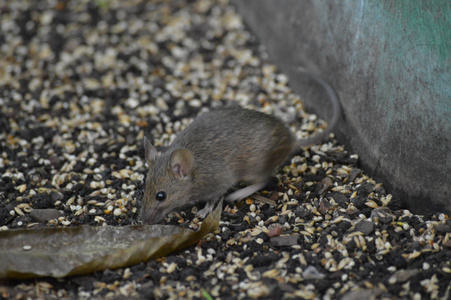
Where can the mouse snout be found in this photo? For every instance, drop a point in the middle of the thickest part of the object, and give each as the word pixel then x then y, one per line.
pixel 151 215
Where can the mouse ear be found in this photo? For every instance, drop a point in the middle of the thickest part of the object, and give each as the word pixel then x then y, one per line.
pixel 151 152
pixel 182 162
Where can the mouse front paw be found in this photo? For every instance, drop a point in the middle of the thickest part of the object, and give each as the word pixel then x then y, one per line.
pixel 201 214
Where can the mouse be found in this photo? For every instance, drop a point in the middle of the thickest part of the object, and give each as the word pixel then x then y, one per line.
pixel 219 149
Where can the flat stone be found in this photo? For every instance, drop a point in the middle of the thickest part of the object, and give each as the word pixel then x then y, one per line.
pixel 340 198
pixel 286 240
pixel 44 215
pixel 366 227
pixel 404 275
pixel 443 228
pixel 362 294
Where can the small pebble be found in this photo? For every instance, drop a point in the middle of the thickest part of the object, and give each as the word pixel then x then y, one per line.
pixel 44 215
pixel 312 272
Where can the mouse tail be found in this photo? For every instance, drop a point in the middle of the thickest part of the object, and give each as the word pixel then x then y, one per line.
pixel 336 113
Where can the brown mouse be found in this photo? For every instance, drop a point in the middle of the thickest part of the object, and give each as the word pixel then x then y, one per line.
pixel 216 151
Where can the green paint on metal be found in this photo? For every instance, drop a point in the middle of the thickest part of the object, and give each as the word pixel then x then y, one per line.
pixel 421 51
pixel 426 23
pixel 390 61
pixel 406 47
pixel 401 49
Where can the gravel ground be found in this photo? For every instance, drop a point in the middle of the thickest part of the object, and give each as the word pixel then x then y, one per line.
pixel 81 84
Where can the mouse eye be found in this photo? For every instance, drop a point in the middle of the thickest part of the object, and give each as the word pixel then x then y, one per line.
pixel 160 196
